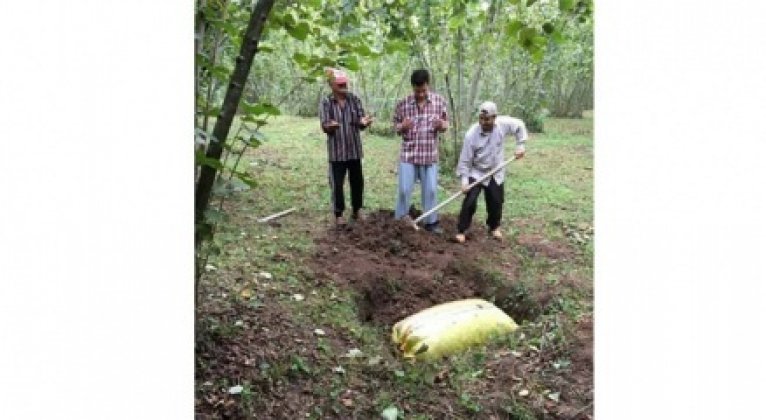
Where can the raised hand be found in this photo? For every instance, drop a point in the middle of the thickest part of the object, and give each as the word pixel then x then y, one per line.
pixel 331 126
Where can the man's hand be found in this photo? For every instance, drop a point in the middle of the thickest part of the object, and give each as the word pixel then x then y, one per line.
pixel 519 154
pixel 405 125
pixel 366 121
pixel 440 125
pixel 331 126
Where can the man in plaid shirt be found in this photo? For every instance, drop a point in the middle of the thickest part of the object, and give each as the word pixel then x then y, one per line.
pixel 419 118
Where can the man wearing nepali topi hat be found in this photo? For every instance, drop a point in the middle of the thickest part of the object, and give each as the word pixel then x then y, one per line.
pixel 342 117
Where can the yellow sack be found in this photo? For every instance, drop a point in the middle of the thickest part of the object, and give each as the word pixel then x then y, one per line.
pixel 449 328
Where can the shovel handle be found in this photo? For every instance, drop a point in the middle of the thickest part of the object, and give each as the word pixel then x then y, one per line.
pixel 459 193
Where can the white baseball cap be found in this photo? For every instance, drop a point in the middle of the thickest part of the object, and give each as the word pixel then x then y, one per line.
pixel 488 108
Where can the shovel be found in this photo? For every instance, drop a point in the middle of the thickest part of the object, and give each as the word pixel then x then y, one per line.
pixel 459 193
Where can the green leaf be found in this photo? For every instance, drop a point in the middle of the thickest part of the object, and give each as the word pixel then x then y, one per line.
pixel 548 27
pixel 254 140
pixel 300 58
pixel 531 2
pixel 396 45
pixel 220 73
pixel 201 159
pixel 246 178
pixel 213 112
pixel 513 28
pixel 527 34
pixel 566 5
pixel 350 63
pixel 456 21
pixel 363 50
pixel 266 47
pixel 259 109
pixel 299 31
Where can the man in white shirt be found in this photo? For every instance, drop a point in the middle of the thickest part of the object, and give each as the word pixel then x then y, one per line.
pixel 483 150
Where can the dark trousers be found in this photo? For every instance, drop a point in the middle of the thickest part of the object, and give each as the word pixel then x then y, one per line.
pixel 355 179
pixel 494 195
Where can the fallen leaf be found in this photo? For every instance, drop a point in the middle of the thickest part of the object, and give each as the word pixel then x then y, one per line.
pixel 523 393
pixel 554 396
pixel 339 370
pixel 374 360
pixel 442 375
pixel 354 353
pixel 390 413
pixel 265 275
pixel 319 331
pixel 237 389
pixel 298 297
pixel 347 402
pixel 210 267
pixel 239 323
pixel 246 293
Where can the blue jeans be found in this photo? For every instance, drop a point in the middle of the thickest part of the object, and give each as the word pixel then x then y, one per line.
pixel 427 174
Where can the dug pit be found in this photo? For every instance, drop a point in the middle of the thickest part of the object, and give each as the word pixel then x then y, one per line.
pixel 396 271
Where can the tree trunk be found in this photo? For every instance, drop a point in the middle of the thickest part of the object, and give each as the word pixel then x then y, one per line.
pixel 217 45
pixel 474 88
pixel 229 108
pixel 454 119
pixel 459 73
pixel 199 38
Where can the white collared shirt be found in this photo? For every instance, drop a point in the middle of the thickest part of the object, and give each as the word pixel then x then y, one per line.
pixel 482 152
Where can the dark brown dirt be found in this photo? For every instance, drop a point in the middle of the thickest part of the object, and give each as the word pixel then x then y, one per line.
pixel 397 271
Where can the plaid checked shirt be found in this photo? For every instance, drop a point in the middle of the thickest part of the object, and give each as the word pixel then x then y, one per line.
pixel 420 143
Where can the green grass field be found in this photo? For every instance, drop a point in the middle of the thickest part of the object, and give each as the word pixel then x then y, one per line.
pixel 549 196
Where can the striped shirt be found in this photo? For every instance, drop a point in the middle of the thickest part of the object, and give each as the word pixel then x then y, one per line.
pixel 420 143
pixel 345 143
pixel 482 151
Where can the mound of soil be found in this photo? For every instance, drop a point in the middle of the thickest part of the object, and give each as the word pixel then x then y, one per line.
pixel 397 271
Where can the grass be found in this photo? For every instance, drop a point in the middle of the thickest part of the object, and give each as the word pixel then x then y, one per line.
pixel 551 188
pixel 554 181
